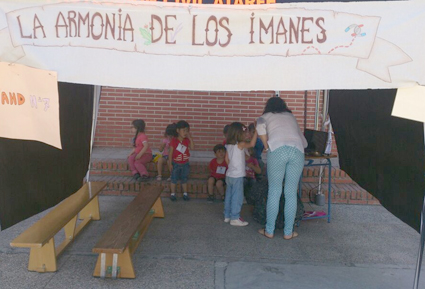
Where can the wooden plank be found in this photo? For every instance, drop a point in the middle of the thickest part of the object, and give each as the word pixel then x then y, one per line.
pixel 47 227
pixel 158 208
pixel 67 241
pixel 119 235
pixel 81 226
pixel 59 249
pixel 91 210
pixel 142 231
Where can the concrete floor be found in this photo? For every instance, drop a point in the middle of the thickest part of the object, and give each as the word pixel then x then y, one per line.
pixel 363 247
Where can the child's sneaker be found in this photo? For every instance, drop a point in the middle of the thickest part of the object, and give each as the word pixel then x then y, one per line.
pixel 143 178
pixel 135 177
pixel 210 198
pixel 169 179
pixel 186 197
pixel 173 198
pixel 239 222
pixel 159 178
pixel 226 220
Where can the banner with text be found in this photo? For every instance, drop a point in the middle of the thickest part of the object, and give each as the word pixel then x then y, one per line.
pixel 29 104
pixel 218 47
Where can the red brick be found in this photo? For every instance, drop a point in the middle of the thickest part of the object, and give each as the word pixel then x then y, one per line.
pixel 119 106
pixel 339 201
pixel 373 202
pixel 129 193
pixel 357 202
pixel 111 193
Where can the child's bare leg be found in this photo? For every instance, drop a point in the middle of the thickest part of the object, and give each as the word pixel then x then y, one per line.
pixel 211 186
pixel 173 188
pixel 169 168
pixel 159 165
pixel 184 186
pixel 220 188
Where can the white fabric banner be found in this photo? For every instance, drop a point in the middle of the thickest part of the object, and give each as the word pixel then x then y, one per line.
pixel 29 104
pixel 157 45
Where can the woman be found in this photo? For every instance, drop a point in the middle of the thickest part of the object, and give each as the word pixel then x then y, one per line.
pixel 282 138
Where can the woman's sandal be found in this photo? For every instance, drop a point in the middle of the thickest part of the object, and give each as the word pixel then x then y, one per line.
pixel 263 232
pixel 294 235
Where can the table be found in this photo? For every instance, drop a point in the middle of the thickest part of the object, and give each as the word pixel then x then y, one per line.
pixel 311 162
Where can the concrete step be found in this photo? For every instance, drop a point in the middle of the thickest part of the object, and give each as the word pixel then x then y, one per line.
pixel 197 189
pixel 199 170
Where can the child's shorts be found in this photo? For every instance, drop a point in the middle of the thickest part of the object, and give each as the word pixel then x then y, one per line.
pixel 216 180
pixel 180 172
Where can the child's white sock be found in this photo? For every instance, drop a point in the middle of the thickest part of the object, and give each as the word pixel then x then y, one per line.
pixel 185 194
pixel 173 194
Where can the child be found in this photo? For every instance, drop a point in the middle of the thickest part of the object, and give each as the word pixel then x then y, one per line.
pixel 225 129
pixel 170 132
pixel 141 154
pixel 252 168
pixel 217 167
pixel 179 158
pixel 258 150
pixel 235 158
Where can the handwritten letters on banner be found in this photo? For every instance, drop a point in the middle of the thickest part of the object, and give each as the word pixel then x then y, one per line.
pixel 161 38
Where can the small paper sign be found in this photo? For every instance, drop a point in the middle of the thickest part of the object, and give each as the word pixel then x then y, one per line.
pixel 181 148
pixel 29 104
pixel 221 170
pixel 410 103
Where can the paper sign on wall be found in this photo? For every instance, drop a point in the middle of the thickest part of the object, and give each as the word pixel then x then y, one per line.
pixel 410 103
pixel 29 104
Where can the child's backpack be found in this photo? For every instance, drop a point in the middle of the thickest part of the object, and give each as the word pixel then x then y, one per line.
pixel 257 196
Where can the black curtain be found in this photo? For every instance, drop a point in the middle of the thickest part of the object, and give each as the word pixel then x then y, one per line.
pixel 383 154
pixel 35 176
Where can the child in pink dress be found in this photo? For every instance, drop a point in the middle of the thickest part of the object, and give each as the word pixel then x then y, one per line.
pixel 141 154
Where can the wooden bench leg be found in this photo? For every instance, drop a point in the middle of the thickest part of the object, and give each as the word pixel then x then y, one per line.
pixel 115 265
pixel 43 259
pixel 91 211
pixel 70 228
pixel 159 209
pixel 69 235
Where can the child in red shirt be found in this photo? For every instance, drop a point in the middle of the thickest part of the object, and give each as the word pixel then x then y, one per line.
pixel 178 158
pixel 170 132
pixel 141 154
pixel 217 167
pixel 252 168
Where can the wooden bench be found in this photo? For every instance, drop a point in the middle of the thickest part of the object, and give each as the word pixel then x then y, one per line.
pixel 83 204
pixel 117 245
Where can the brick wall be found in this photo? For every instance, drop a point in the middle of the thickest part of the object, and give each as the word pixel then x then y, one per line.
pixel 206 112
